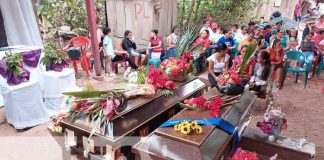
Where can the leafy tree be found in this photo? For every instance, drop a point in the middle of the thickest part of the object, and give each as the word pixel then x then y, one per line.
pixel 56 13
pixel 224 12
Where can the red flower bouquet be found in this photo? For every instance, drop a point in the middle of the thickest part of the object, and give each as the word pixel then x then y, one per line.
pixel 241 154
pixel 160 80
pixel 231 77
pixel 176 67
pixel 200 103
pixel 273 123
pixel 187 56
pixel 99 107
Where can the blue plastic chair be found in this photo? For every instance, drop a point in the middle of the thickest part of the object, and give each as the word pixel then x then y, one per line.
pixel 294 56
pixel 235 50
pixel 320 66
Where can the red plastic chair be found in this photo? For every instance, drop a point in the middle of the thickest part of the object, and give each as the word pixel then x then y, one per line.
pixel 114 65
pixel 315 64
pixel 84 43
pixel 135 59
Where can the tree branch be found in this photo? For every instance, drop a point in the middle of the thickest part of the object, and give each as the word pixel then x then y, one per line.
pixel 190 13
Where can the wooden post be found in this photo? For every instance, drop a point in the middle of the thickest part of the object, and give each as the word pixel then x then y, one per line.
pixel 91 14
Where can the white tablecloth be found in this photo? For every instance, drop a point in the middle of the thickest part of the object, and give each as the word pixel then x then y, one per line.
pixel 55 83
pixel 24 105
pixel 35 72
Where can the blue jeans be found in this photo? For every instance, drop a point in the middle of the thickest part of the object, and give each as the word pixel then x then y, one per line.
pixel 210 50
pixel 309 57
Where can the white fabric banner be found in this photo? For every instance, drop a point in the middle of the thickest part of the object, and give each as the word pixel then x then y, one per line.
pixel 20 23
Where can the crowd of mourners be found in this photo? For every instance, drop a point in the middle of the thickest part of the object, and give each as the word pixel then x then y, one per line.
pixel 220 45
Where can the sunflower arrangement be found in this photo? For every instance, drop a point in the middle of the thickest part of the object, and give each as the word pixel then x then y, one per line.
pixel 188 127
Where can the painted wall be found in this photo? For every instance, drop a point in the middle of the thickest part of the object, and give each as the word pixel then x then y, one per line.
pixel 140 16
pixel 286 7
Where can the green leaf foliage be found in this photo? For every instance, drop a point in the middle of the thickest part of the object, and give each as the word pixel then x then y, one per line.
pixel 51 55
pixel 13 62
pixel 248 55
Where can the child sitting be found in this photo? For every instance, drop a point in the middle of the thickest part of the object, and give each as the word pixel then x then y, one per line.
pixel 308 48
pixel 261 72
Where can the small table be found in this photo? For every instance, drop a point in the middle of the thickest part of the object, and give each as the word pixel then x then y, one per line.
pixel 55 83
pixel 24 105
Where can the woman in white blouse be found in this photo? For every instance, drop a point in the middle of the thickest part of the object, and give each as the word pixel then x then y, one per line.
pixel 261 72
pixel 218 63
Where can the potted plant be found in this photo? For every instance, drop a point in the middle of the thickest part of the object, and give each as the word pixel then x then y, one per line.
pixel 53 60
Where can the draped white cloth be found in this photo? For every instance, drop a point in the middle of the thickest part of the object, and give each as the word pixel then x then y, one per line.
pixel 55 84
pixel 24 105
pixel 20 23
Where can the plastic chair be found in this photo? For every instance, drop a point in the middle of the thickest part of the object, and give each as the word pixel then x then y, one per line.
pixel 315 63
pixel 135 59
pixel 320 66
pixel 84 43
pixel 294 56
pixel 235 50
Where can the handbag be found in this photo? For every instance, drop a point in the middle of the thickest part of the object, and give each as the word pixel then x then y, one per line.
pixel 230 89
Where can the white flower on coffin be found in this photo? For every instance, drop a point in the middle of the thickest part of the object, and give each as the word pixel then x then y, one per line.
pixel 132 77
pixel 168 71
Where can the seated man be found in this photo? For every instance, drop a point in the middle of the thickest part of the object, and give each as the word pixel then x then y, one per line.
pixel 129 46
pixel 112 55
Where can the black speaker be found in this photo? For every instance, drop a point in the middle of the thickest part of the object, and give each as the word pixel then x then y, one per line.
pixel 74 53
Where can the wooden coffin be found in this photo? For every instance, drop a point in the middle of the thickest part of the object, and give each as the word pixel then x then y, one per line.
pixel 287 149
pixel 213 143
pixel 141 116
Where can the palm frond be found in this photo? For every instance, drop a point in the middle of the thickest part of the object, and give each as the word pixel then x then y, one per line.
pixel 166 92
pixel 248 55
pixel 85 94
pixel 185 106
pixel 185 41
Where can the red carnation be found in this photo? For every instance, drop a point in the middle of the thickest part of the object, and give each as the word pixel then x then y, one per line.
pixel 170 85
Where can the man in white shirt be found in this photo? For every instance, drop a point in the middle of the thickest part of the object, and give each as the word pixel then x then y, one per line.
pixel 206 26
pixel 241 35
pixel 213 35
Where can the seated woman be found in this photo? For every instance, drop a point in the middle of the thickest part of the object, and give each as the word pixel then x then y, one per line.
pixel 277 54
pixel 155 49
pixel 261 73
pixel 292 41
pixel 249 67
pixel 217 64
pixel 172 41
pixel 129 45
pixel 155 45
pixel 308 48
pixel 203 40
pixel 199 54
pixel 112 55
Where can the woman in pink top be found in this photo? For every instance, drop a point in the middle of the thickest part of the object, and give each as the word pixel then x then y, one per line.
pixel 297 11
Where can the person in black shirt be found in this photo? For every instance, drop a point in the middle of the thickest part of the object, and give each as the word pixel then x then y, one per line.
pixel 129 45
